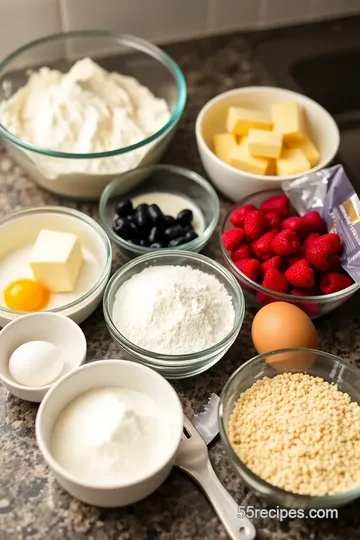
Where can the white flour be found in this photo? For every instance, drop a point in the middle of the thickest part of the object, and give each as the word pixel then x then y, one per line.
pixel 111 435
pixel 87 110
pixel 173 310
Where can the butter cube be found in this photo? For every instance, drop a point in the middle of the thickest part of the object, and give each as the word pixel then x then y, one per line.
pixel 240 121
pixel 292 161
pixel 56 260
pixel 265 143
pixel 223 144
pixel 241 158
pixel 308 148
pixel 289 120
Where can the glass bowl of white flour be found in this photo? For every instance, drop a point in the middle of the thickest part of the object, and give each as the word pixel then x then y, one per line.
pixel 78 108
pixel 175 311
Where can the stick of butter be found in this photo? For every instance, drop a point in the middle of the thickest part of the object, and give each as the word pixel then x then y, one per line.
pixel 223 144
pixel 240 158
pixel 56 260
pixel 308 148
pixel 289 120
pixel 240 121
pixel 265 143
pixel 292 161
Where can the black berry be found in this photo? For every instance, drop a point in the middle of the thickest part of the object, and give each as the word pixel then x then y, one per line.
pixel 124 208
pixel 191 235
pixel 155 235
pixel 158 245
pixel 184 217
pixel 177 241
pixel 142 216
pixel 174 232
pixel 155 214
pixel 169 220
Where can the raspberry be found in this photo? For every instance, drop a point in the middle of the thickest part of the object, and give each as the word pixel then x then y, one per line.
pixel 275 262
pixel 238 215
pixel 333 282
pixel 310 238
pixel 273 220
pixel 333 241
pixel 254 224
pixel 278 204
pixel 300 274
pixel 249 267
pixel 320 256
pixel 292 259
pixel 294 224
pixel 285 243
pixel 264 298
pixel 310 308
pixel 262 246
pixel 242 252
pixel 232 238
pixel 313 222
pixel 275 281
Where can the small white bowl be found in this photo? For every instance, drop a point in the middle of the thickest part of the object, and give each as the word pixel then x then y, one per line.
pixel 18 233
pixel 120 373
pixel 234 183
pixel 45 326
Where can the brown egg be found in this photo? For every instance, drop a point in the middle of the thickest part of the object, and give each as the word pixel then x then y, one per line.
pixel 281 325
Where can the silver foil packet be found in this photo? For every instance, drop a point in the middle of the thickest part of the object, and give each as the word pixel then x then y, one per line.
pixel 331 193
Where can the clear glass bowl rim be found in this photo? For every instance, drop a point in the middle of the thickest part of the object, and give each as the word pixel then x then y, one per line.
pixel 259 288
pixel 123 39
pixel 323 499
pixel 195 177
pixel 79 215
pixel 166 359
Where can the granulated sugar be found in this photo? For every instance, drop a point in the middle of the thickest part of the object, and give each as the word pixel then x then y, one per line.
pixel 173 310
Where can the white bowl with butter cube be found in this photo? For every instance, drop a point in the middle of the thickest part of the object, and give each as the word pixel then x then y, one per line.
pixel 252 139
pixel 52 259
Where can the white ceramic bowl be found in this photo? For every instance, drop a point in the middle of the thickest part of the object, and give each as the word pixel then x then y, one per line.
pixel 45 326
pixel 104 373
pixel 236 184
pixel 18 233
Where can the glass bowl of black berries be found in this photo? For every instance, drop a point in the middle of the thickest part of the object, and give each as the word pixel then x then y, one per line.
pixel 159 207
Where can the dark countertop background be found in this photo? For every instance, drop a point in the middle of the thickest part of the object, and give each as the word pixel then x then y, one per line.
pixel 32 505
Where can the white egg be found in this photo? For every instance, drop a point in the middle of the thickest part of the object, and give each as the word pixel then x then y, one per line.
pixel 36 363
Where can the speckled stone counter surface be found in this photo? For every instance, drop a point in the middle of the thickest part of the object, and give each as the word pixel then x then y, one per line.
pixel 32 505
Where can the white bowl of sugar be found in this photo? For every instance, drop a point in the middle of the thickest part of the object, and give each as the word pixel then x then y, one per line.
pixel 110 431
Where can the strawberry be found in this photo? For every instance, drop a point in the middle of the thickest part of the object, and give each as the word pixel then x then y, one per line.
pixel 262 246
pixel 242 252
pixel 279 204
pixel 313 222
pixel 232 238
pixel 295 224
pixel 254 224
pixel 321 257
pixel 285 243
pixel 249 267
pixel 300 274
pixel 275 262
pixel 273 220
pixel 333 241
pixel 333 282
pixel 275 281
pixel 238 215
pixel 310 238
pixel 292 259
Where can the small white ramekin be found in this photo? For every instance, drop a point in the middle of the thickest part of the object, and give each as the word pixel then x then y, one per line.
pixel 105 373
pixel 43 326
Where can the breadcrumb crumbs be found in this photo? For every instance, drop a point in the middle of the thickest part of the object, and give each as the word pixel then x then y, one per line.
pixel 299 433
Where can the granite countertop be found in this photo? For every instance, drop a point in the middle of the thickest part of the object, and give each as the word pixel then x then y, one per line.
pixel 32 505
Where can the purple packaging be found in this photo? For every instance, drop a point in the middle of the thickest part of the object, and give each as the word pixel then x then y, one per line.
pixel 330 193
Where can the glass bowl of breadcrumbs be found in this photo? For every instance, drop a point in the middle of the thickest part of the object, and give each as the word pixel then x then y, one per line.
pixel 290 423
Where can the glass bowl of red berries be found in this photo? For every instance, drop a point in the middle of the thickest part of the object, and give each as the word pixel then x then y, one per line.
pixel 277 255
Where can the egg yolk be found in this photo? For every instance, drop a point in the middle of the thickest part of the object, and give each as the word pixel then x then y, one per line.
pixel 26 295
